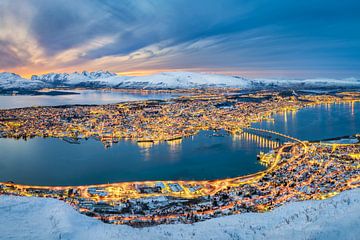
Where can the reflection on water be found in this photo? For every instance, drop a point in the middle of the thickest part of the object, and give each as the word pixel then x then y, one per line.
pixel 56 162
pixel 266 141
pixel 85 97
pixel 317 122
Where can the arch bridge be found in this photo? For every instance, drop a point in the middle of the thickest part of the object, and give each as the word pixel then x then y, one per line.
pixel 270 132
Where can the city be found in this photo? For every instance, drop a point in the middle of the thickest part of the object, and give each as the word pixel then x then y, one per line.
pixel 296 170
pixel 154 121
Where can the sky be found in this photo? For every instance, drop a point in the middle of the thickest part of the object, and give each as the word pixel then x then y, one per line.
pixel 253 38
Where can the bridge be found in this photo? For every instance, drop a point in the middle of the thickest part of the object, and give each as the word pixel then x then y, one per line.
pixel 273 133
pixel 258 139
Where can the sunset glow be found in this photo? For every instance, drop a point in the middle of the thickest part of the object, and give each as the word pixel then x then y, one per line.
pixel 247 38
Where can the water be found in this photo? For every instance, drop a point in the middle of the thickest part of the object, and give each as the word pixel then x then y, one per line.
pixel 55 162
pixel 85 97
pixel 317 122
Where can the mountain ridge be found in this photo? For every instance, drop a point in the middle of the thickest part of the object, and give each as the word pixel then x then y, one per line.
pixel 164 80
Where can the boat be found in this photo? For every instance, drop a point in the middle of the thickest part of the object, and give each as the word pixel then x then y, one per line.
pixel 173 139
pixel 71 140
pixel 145 140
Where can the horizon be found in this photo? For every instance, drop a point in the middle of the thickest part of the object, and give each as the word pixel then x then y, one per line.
pixel 151 73
pixel 136 38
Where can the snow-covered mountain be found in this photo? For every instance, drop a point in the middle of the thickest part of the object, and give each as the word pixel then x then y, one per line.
pixel 74 79
pixel 158 81
pixel 184 80
pixel 312 83
pixel 175 80
pixel 167 80
pixel 10 81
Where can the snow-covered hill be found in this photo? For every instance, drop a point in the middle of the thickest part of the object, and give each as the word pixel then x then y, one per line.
pixel 14 81
pixel 331 219
pixel 167 80
pixel 307 83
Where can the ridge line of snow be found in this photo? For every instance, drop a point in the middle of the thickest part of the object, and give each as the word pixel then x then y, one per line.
pixel 41 218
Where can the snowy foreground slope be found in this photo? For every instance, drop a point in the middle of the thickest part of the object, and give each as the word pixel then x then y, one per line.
pixel 166 80
pixel 335 218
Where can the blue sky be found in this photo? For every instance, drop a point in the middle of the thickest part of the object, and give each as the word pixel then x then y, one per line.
pixel 242 37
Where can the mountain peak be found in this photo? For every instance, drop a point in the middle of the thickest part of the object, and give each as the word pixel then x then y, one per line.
pixel 9 75
pixel 74 77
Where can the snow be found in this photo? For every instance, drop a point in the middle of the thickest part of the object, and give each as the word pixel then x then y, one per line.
pixel 14 81
pixel 196 80
pixel 166 80
pixel 334 218
pixel 309 83
pixel 73 78
pixel 161 80
pixel 185 80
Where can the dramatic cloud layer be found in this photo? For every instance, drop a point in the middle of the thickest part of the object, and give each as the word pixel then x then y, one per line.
pixel 249 37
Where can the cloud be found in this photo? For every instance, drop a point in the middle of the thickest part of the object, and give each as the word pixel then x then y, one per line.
pixel 17 44
pixel 130 35
pixel 76 54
